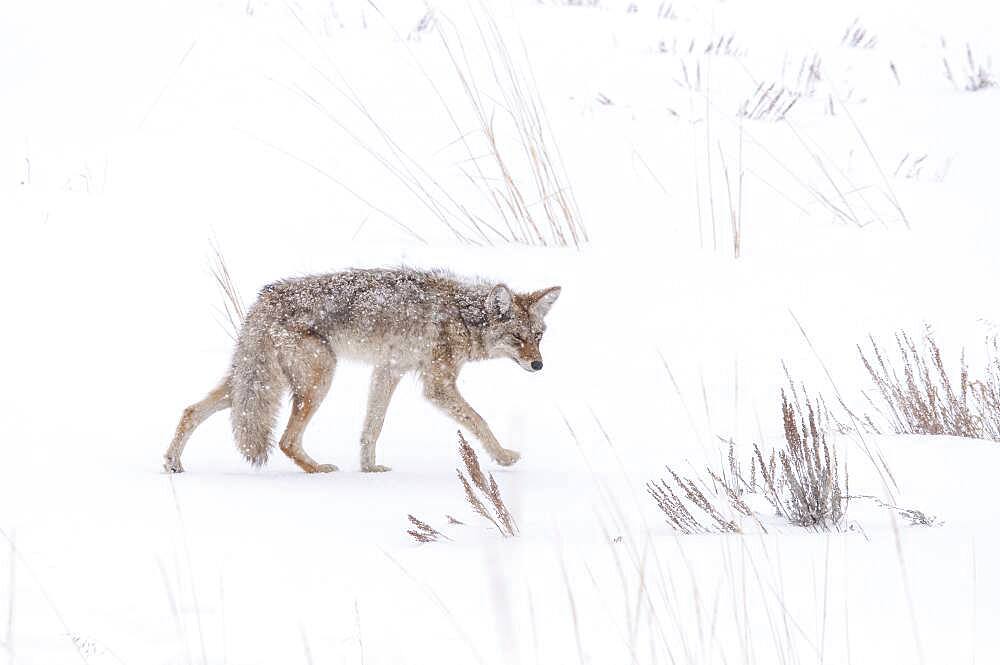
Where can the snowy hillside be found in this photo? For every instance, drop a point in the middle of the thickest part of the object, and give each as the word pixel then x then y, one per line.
pixel 725 191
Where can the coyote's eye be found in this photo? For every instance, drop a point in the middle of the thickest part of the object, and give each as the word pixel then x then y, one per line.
pixel 517 338
pixel 538 336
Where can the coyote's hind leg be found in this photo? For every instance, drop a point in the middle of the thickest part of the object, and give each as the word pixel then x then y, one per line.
pixel 193 416
pixel 308 365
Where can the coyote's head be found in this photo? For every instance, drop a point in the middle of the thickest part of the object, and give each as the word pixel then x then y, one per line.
pixel 516 322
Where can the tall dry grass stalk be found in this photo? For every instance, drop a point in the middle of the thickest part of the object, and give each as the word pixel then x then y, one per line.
pixel 232 310
pixel 735 207
pixel 529 192
pixel 529 197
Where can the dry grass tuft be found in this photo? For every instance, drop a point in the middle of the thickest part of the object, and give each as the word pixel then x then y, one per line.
pixel 675 505
pixel 423 532
pixel 975 74
pixel 857 36
pixel 472 480
pixel 802 481
pixel 723 45
pixel 910 166
pixel 806 77
pixel 912 515
pixel 482 493
pixel 808 491
pixel 424 25
pixel 918 517
pixel 666 11
pixel 922 167
pixel 918 395
pixel 986 392
pixel 690 78
pixel 770 102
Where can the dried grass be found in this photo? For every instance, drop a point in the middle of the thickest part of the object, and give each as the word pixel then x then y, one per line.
pixel 804 79
pixel 723 45
pixel 426 23
pixel 735 207
pixel 772 101
pixel 913 516
pixel 232 310
pixel 910 166
pixel 769 102
pixel 515 199
pixel 923 167
pixel 481 492
pixel 666 11
pixel 975 72
pixel 813 495
pixel 423 532
pixel 674 505
pixel 529 192
pixel 857 36
pixel 986 392
pixel 802 481
pixel 482 489
pixel 690 76
pixel 918 395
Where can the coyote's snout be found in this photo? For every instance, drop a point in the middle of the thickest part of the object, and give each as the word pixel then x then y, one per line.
pixel 397 320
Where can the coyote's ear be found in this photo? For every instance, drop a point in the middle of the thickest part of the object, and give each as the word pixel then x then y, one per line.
pixel 499 301
pixel 541 301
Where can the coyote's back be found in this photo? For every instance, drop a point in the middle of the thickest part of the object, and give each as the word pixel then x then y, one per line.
pixel 363 313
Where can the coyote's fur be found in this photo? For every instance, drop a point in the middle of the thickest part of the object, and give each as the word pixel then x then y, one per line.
pixel 398 320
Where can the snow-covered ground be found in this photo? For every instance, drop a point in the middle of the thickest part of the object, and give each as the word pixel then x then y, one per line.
pixel 133 135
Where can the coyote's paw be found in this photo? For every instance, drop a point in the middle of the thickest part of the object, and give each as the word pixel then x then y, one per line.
pixel 375 468
pixel 507 457
pixel 172 466
pixel 325 468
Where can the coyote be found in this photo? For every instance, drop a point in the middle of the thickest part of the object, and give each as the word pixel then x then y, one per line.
pixel 398 320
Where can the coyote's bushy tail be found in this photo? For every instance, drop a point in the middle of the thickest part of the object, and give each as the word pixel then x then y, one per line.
pixel 257 385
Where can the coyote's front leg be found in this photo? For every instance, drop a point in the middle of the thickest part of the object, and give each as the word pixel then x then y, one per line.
pixel 384 382
pixel 444 394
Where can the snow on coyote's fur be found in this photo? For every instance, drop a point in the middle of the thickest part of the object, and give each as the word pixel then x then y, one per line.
pixel 398 320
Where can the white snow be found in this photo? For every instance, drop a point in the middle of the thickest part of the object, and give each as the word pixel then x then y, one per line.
pixel 134 134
